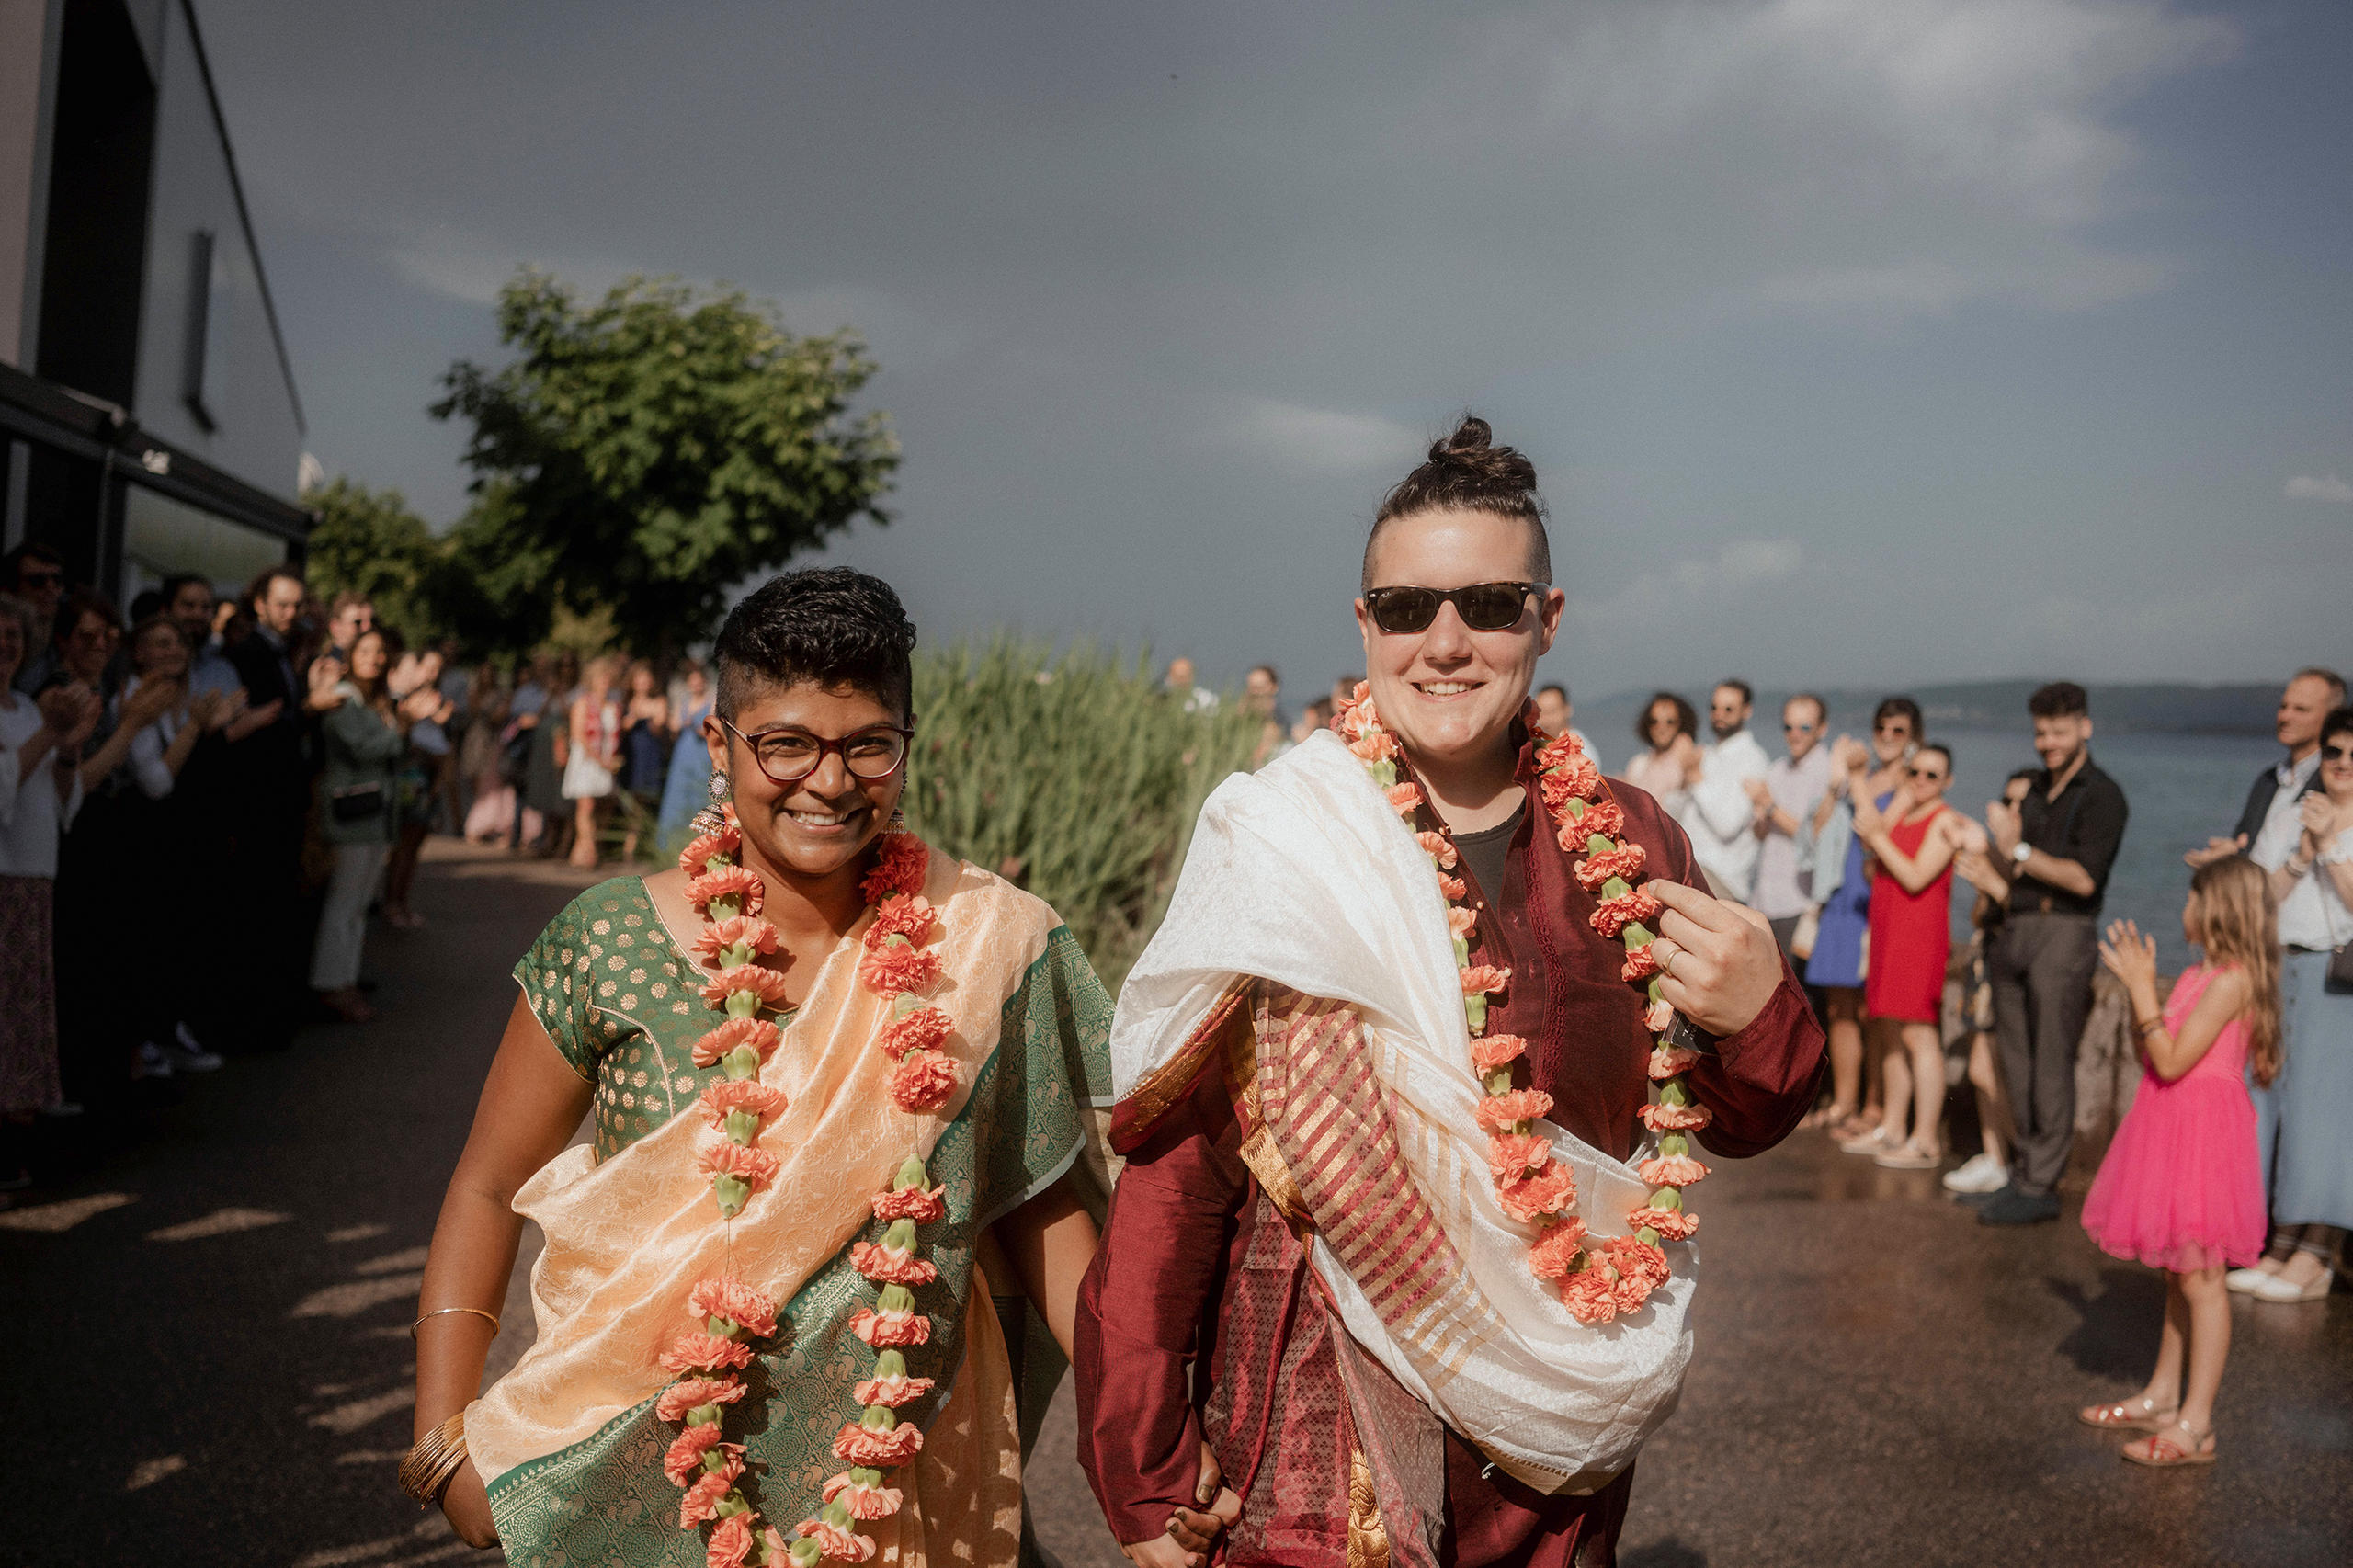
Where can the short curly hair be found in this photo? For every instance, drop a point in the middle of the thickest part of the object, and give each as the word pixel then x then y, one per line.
pixel 834 626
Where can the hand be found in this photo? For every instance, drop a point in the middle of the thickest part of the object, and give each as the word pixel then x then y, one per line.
pixel 61 707
pixel 1684 754
pixel 1969 836
pixel 1869 821
pixel 231 708
pixel 325 675
pixel 420 704
pixel 407 676
pixel 1192 1536
pixel 2321 822
pixel 261 718
pixel 150 703
pixel 1721 962
pixel 2131 958
pixel 87 709
pixel 466 1505
pixel 2002 826
pixel 1760 794
pixel 204 710
pixel 2216 849
pixel 1848 755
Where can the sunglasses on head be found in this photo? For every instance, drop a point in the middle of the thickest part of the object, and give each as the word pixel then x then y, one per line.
pixel 1483 606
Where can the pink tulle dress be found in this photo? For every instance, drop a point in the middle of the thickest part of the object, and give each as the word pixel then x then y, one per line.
pixel 2182 1186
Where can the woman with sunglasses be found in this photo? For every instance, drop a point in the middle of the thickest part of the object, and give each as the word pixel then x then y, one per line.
pixel 1669 764
pixel 2311 1173
pixel 835 1082
pixel 1298 1096
pixel 1912 842
pixel 1842 939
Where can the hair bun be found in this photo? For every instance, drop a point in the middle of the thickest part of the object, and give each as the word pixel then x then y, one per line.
pixel 1473 435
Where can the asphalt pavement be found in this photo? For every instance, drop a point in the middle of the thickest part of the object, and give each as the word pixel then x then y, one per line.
pixel 208 1356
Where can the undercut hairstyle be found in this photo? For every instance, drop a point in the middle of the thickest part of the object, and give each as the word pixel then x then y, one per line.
pixel 2328 677
pixel 2060 699
pixel 1890 707
pixel 1467 472
pixel 1747 694
pixel 1686 720
pixel 834 626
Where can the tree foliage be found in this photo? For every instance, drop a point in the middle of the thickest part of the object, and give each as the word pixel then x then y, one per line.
pixel 367 541
pixel 647 452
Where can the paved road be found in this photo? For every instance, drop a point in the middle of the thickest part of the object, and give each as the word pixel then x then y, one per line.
pixel 207 1357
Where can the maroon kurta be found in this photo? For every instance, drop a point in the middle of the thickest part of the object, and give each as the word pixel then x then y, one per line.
pixel 1186 1250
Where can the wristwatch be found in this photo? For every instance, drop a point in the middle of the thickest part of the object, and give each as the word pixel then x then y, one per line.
pixel 2019 853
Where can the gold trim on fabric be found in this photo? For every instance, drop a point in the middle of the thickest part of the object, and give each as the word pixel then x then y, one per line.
pixel 1165 1084
pixel 1367 1532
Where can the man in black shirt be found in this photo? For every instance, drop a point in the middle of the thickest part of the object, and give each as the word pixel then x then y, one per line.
pixel 2057 847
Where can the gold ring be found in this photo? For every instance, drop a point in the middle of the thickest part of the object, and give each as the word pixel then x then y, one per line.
pixel 1666 964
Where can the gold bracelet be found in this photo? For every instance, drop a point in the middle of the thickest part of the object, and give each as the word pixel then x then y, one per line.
pixel 433 1458
pixel 439 1311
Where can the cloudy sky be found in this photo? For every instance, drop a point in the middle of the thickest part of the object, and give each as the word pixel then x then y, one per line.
pixel 1857 341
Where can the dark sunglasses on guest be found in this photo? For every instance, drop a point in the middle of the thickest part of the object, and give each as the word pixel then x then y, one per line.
pixel 1924 775
pixel 2337 753
pixel 1483 606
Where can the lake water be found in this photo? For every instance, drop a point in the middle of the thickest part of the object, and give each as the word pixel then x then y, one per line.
pixel 2182 790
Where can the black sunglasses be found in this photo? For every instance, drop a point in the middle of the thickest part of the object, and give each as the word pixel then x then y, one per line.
pixel 1483 606
pixel 2337 753
pixel 788 757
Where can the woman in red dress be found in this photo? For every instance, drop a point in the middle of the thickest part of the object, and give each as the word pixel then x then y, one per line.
pixel 1912 843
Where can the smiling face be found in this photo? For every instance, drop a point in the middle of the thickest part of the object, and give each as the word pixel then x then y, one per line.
pixel 368 657
pixel 1800 726
pixel 1727 711
pixel 1930 774
pixel 159 654
pixel 2337 765
pixel 191 610
pixel 2059 740
pixel 277 605
pixel 1661 725
pixel 2301 708
pixel 83 650
pixel 1448 692
pixel 1891 738
pixel 818 824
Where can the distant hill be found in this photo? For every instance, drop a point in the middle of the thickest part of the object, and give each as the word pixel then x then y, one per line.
pixel 2238 709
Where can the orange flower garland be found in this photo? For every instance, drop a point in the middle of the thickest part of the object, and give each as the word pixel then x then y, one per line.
pixel 896 965
pixel 1617 1275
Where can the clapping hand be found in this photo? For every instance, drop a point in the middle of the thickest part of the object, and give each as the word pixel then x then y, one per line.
pixel 2320 816
pixel 2131 958
pixel 150 703
pixel 2002 823
pixel 2216 849
pixel 1760 794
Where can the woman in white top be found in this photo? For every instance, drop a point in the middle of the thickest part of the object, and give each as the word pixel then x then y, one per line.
pixel 161 748
pixel 2311 1171
pixel 40 790
pixel 1670 729
pixel 596 736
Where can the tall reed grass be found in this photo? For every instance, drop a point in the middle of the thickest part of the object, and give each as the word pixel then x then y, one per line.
pixel 1070 773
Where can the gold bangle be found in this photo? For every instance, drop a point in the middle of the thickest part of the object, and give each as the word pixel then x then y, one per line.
pixel 439 1311
pixel 433 1458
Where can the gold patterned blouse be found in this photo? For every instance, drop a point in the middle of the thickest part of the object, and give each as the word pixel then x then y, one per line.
pixel 622 1002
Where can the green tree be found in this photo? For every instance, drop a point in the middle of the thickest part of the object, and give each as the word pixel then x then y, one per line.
pixel 645 453
pixel 367 541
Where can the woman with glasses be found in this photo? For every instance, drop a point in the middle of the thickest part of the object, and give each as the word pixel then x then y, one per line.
pixel 1842 938
pixel 1912 842
pixel 2311 1173
pixel 831 1210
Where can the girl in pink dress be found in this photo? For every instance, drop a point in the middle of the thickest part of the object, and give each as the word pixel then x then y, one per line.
pixel 2181 1189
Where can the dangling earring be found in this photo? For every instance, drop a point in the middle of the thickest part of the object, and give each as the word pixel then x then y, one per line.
pixel 713 817
pixel 719 786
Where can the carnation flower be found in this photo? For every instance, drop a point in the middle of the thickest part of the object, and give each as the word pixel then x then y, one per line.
pixel 702 1500
pixel 726 882
pixel 1669 1059
pixel 1461 921
pixel 925 1028
pixel 1659 1017
pixel 1438 849
pixel 884 1331
pixel 898 965
pixel 683 1462
pixel 695 1351
pixel 1675 1118
pixel 890 1392
pixel 1640 964
pixel 863 1501
pixel 1374 745
pixel 911 1203
pixel 901 863
pixel 730 1543
pixel 900 915
pixel 923 1081
pixel 1625 861
pixel 1479 978
pixel 1454 889
pixel 735 1301
pixel 754 1167
pixel 1491 1051
pixel 1612 915
pixel 887 1264
pixel 736 930
pixel 692 1393
pixel 845 1546
pixel 766 984
pixel 695 858
pixel 1556 1253
pixel 1590 1295
pixel 1404 799
pixel 1634 1258
pixel 1497 1112
pixel 723 1094
pixel 864 1446
pixel 1602 816
pixel 1512 1154
pixel 1674 1224
pixel 1671 1170
pixel 758 1033
pixel 1550 1191
pixel 1560 751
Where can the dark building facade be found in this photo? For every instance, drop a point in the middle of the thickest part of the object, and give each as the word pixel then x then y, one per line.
pixel 149 422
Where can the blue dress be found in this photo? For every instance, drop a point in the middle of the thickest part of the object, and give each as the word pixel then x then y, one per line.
pixel 688 789
pixel 1838 958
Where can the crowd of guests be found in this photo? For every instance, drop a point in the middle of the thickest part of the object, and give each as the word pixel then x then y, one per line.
pixel 290 758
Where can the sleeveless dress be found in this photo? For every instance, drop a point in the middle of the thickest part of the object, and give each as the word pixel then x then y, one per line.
pixel 2181 1187
pixel 1911 938
pixel 1838 960
pixel 585 777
